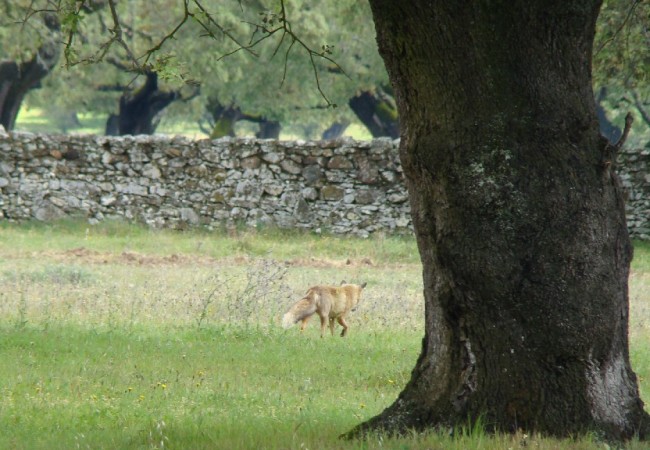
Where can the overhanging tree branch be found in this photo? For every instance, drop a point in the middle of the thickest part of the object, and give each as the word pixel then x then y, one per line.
pixel 620 28
pixel 271 24
pixel 268 28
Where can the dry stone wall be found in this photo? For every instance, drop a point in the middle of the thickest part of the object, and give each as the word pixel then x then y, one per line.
pixel 340 186
pixel 633 166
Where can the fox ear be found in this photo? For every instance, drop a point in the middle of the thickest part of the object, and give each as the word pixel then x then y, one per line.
pixel 363 285
pixel 343 282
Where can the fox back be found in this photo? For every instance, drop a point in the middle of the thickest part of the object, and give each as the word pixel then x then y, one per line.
pixel 336 300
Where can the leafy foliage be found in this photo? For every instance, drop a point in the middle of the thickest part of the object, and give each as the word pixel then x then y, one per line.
pixel 284 60
pixel 622 62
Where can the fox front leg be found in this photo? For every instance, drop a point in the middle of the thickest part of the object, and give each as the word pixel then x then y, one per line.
pixel 304 323
pixel 344 324
pixel 332 319
pixel 323 324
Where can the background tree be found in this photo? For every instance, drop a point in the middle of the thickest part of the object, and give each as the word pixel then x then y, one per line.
pixel 22 69
pixel 139 109
pixel 622 64
pixel 236 82
pixel 377 111
pixel 278 83
pixel 245 81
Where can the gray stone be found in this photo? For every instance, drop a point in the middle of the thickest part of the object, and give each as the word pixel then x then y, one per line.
pixel 252 162
pixel 47 212
pixel 290 166
pixel 273 189
pixel 312 174
pixel 272 157
pixel 365 196
pixel 309 193
pixel 331 192
pixel 398 198
pixel 340 162
pixel 190 216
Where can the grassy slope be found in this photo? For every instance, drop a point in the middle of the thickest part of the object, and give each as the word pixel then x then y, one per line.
pixel 103 348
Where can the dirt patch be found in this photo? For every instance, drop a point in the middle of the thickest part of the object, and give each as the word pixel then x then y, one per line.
pixel 83 255
pixel 86 256
pixel 327 263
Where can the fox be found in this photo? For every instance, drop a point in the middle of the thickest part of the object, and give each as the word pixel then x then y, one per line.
pixel 329 302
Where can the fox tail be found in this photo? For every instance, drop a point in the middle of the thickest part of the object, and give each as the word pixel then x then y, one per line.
pixel 301 309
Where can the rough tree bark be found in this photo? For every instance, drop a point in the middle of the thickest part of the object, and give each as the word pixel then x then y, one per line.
pixel 519 220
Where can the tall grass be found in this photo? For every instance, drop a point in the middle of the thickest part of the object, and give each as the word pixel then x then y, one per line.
pixel 118 336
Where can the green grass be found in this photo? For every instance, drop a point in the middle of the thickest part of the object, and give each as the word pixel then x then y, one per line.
pixel 189 388
pixel 36 120
pixel 118 336
pixel 116 236
pixel 235 388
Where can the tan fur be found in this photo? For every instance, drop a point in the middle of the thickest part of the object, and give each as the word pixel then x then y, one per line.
pixel 331 303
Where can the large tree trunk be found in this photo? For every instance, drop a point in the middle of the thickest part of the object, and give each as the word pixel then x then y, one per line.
pixel 519 220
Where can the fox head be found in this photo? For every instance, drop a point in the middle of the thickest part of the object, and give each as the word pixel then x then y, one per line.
pixel 358 297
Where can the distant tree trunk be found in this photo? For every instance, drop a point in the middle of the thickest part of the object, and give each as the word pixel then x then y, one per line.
pixel 607 128
pixel 224 119
pixel 269 129
pixel 336 130
pixel 377 113
pixel 139 110
pixel 18 78
pixel 519 219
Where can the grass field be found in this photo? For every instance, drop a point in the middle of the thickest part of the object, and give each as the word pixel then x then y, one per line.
pixel 117 336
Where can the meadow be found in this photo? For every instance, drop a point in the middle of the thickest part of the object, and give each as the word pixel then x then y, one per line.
pixel 119 336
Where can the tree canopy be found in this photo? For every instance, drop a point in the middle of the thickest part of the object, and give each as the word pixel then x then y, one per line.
pixel 276 80
pixel 622 63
